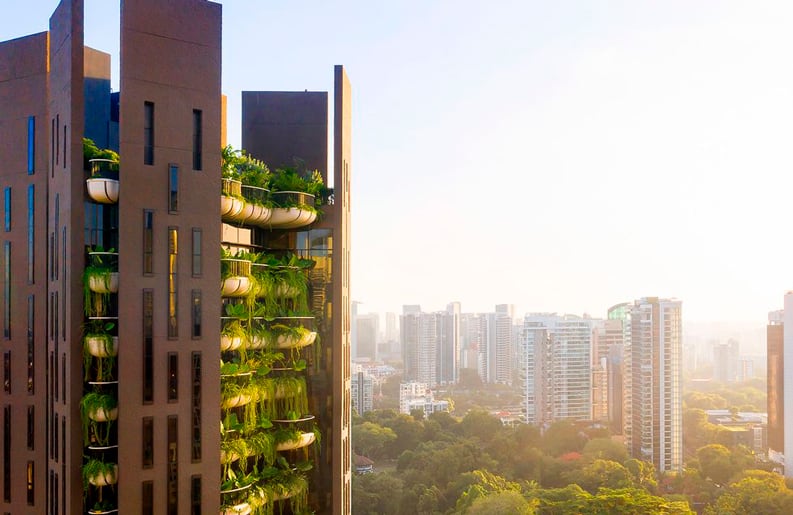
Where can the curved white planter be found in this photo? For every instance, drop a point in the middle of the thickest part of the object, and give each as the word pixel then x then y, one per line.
pixel 286 291
pixel 107 284
pixel 304 440
pixel 104 191
pixel 291 217
pixel 260 216
pixel 245 213
pixel 230 343
pixel 230 207
pixel 291 342
pixel 236 401
pixel 100 415
pixel 239 509
pixel 105 479
pixel 236 286
pixel 98 347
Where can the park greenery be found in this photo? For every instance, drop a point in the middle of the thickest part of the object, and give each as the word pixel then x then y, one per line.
pixel 443 464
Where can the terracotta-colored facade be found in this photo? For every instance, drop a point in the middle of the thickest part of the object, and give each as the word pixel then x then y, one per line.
pixel 53 92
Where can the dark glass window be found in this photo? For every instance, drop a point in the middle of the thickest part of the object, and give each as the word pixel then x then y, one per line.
pixel 31 427
pixel 197 139
pixel 54 239
pixel 7 207
pixel 148 241
pixel 63 378
pixel 31 144
pixel 65 146
pixel 148 346
pixel 173 188
pixel 148 442
pixel 31 231
pixel 173 250
pixel 195 495
pixel 173 466
pixel 55 440
pixel 7 453
pixel 195 402
pixel 148 133
pixel 7 289
pixel 31 345
pixel 147 495
pixel 173 376
pixel 196 252
pixel 30 487
pixel 7 371
pixel 196 307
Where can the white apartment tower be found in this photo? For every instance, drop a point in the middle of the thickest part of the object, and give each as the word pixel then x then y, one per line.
pixel 556 360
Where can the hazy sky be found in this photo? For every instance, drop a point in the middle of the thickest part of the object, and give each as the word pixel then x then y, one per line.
pixel 561 156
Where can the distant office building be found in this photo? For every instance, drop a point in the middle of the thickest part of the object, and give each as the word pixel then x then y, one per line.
pixel 775 341
pixel 362 392
pixel 725 361
pixel 496 346
pixel 557 361
pixel 416 395
pixel 366 329
pixel 448 361
pixel 607 343
pixel 655 430
pixel 617 333
pixel 471 336
pixel 745 369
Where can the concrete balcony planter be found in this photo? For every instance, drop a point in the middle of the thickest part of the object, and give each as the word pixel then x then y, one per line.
pixel 100 346
pixel 295 211
pixel 237 280
pixel 305 440
pixel 257 199
pixel 290 341
pixel 103 415
pixel 99 473
pixel 229 343
pixel 104 284
pixel 103 191
pixel 103 184
pixel 231 202
pixel 238 509
pixel 236 401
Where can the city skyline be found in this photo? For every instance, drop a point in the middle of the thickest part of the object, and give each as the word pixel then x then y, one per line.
pixel 601 193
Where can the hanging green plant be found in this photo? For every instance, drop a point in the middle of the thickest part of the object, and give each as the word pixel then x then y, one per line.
pixel 98 411
pixel 99 473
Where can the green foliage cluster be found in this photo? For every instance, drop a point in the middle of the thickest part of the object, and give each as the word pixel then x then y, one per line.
pixel 443 464
pixel 476 465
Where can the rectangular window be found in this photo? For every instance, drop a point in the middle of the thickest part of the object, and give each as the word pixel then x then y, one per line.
pixel 173 377
pixel 65 146
pixel 196 307
pixel 7 453
pixel 7 289
pixel 173 250
pixel 197 139
pixel 63 378
pixel 147 495
pixel 173 466
pixel 7 207
pixel 173 188
pixel 54 239
pixel 31 427
pixel 55 440
pixel 195 495
pixel 30 490
pixel 7 371
pixel 196 252
pixel 148 442
pixel 31 144
pixel 31 345
pixel 148 133
pixel 148 242
pixel 196 406
pixel 148 346
pixel 31 231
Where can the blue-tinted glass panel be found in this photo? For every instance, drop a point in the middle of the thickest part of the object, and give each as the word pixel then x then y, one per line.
pixel 31 144
pixel 173 188
pixel 7 207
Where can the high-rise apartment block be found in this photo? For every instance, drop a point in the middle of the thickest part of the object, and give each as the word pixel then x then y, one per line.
pixel 362 392
pixel 430 344
pixel 117 307
pixel 653 414
pixel 556 362
pixel 367 329
pixel 775 340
